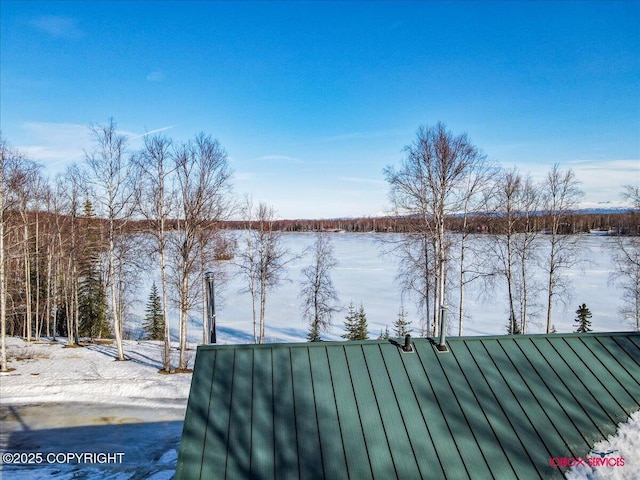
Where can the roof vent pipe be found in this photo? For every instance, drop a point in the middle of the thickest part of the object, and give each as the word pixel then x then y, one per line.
pixel 442 345
pixel 407 344
pixel 210 298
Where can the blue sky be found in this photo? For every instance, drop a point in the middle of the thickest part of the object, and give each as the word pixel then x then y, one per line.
pixel 312 100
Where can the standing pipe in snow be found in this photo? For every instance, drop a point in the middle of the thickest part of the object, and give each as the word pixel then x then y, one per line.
pixel 211 306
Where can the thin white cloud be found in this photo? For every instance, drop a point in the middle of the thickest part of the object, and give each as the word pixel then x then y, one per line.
pixel 362 180
pixel 628 165
pixel 345 137
pixel 601 181
pixel 133 137
pixel 55 143
pixel 244 176
pixel 277 158
pixel 156 76
pixel 58 26
pixel 157 130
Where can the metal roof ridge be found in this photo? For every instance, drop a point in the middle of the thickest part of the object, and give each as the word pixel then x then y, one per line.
pixel 332 343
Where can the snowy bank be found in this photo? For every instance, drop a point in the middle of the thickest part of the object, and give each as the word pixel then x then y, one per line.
pixel 50 372
pixel 60 401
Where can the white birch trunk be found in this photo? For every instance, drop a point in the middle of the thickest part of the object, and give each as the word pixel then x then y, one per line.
pixel 3 296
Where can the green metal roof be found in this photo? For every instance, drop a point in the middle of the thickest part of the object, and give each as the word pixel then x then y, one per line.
pixel 491 407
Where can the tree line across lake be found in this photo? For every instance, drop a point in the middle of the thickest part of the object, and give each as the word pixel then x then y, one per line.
pixel 618 221
pixel 71 260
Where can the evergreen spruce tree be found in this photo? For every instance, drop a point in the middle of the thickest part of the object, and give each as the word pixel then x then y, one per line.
pixel 92 304
pixel 401 325
pixel 513 328
pixel 363 327
pixel 92 294
pixel 314 332
pixel 355 324
pixel 384 334
pixel 350 323
pixel 583 323
pixel 154 319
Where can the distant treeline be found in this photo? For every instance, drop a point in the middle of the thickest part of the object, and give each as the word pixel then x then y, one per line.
pixel 620 223
pixel 623 223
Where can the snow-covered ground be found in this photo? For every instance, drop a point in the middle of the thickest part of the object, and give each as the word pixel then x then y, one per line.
pixel 61 400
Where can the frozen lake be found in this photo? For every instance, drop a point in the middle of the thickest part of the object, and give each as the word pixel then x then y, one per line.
pixel 365 275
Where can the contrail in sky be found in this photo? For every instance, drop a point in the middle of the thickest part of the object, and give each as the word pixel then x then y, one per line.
pixel 156 131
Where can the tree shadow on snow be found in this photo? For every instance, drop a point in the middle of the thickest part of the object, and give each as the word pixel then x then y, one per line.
pixel 136 450
pixel 134 356
pixel 235 335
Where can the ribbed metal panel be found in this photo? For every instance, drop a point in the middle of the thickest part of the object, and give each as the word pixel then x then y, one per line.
pixel 491 407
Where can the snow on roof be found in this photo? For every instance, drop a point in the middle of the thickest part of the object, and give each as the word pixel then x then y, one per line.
pixel 624 444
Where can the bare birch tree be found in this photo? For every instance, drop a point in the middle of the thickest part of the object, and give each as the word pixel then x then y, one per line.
pixel 111 182
pixel 10 161
pixel 40 193
pixel 247 262
pixel 415 252
pixel 430 185
pixel 26 179
pixel 507 193
pixel 478 191
pixel 526 246
pixel 49 258
pixel 632 195
pixel 560 194
pixel 319 297
pixel 157 206
pixel 626 255
pixel 58 249
pixel 68 187
pixel 515 244
pixel 6 158
pixel 262 262
pixel 203 178
pixel 132 262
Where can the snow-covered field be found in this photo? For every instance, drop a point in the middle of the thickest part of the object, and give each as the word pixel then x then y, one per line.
pixel 59 401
